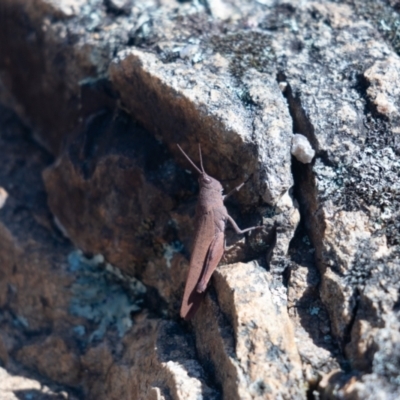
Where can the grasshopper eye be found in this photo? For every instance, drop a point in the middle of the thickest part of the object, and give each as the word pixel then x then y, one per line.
pixel 208 180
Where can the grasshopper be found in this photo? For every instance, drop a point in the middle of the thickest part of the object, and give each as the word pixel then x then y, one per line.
pixel 209 241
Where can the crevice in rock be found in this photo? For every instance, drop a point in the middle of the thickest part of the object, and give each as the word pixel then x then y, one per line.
pixel 311 392
pixel 270 251
pixel 396 306
pixel 305 190
pixel 311 226
pixel 117 8
pixel 301 123
pixel 347 334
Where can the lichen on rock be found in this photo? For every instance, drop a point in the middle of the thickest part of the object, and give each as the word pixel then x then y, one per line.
pixel 100 300
pixel 297 99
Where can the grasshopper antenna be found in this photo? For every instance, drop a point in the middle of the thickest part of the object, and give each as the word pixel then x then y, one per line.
pixel 201 159
pixel 191 162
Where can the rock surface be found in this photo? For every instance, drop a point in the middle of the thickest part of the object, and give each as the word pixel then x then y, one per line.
pixel 14 386
pixel 307 307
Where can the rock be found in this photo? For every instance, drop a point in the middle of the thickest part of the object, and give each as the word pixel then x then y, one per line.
pixel 3 197
pixel 63 8
pixel 239 79
pixel 301 149
pixel 169 91
pixel 381 91
pixel 150 357
pixel 318 351
pixel 261 356
pixel 41 357
pixel 57 305
pixel 339 194
pixel 13 386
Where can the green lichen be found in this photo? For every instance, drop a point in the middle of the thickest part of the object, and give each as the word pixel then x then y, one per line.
pixel 171 249
pixel 100 297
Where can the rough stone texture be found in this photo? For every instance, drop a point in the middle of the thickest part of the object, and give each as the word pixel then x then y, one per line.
pixel 344 107
pixel 17 386
pixel 111 87
pixel 53 320
pixel 171 98
pixel 381 92
pixel 261 352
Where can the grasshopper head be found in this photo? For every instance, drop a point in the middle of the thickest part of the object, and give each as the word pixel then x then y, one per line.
pixel 204 179
pixel 209 182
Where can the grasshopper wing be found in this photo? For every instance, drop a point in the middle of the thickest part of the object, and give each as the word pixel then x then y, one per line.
pixel 201 245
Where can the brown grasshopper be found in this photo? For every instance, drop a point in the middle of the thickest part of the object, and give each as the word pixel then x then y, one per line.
pixel 209 241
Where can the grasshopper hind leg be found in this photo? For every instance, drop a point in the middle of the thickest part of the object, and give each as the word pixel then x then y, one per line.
pixel 214 256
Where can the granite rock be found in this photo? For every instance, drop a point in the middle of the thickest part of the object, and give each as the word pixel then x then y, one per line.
pixel 71 321
pixel 112 87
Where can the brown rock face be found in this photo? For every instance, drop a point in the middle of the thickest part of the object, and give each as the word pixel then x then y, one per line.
pixel 95 235
pixel 41 356
pixel 118 178
pixel 64 317
pixel 254 323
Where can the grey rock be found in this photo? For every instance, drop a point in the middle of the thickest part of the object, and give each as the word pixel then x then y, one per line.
pixel 239 78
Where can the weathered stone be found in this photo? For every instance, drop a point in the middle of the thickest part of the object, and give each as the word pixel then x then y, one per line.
pixel 150 357
pixel 381 92
pixel 170 90
pixel 52 313
pixel 339 196
pixel 218 73
pixel 256 343
pixel 52 358
pixel 13 386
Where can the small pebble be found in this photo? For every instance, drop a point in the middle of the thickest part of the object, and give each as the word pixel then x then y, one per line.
pixel 3 197
pixel 301 149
